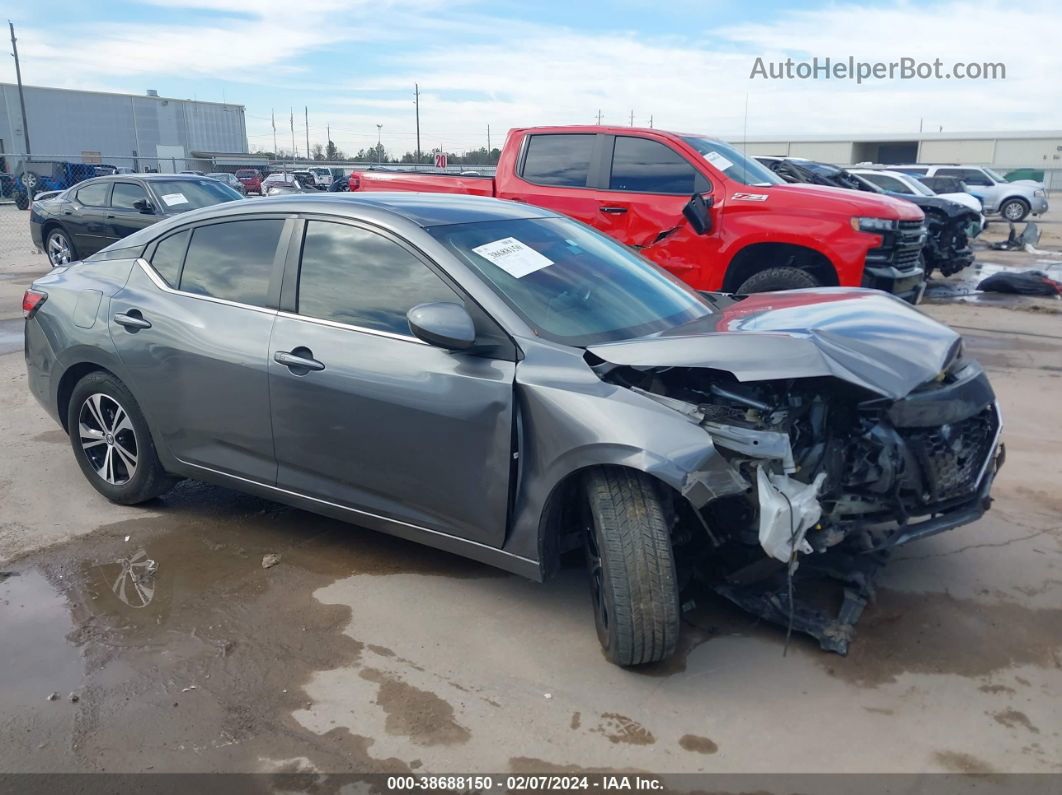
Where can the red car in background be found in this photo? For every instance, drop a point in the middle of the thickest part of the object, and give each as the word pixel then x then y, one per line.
pixel 251 178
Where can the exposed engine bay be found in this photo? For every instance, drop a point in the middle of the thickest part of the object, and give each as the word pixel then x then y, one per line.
pixel 837 474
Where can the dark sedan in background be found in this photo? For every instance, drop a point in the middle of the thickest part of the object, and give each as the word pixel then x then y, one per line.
pixel 95 213
pixel 229 179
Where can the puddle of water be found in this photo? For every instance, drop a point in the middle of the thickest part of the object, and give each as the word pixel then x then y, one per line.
pixel 36 659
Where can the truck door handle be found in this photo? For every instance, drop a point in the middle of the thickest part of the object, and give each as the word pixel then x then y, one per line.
pixel 614 210
pixel 298 359
pixel 132 320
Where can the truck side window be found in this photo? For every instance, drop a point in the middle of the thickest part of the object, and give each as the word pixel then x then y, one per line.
pixel 562 160
pixel 643 166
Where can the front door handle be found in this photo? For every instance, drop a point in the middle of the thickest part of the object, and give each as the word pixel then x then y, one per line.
pixel 132 320
pixel 614 210
pixel 300 359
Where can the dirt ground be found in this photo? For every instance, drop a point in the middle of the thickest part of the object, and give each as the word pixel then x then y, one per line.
pixel 359 652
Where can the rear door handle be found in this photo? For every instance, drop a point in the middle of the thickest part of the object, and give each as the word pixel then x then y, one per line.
pixel 614 210
pixel 298 359
pixel 132 321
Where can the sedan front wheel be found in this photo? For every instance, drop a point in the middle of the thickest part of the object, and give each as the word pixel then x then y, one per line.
pixel 631 565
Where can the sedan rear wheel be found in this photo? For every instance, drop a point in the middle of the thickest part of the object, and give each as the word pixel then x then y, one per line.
pixel 112 443
pixel 59 248
pixel 633 583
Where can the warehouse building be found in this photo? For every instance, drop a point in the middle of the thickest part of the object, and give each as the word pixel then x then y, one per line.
pixel 139 132
pixel 1004 151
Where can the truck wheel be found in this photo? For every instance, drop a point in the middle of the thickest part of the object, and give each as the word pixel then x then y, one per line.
pixel 771 279
pixel 1014 209
pixel 632 569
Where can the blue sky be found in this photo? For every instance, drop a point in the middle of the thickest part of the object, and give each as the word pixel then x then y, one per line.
pixel 507 63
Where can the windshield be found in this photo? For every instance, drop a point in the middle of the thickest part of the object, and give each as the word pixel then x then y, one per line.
pixel 569 283
pixel 918 187
pixel 179 195
pixel 246 174
pixel 995 175
pixel 732 163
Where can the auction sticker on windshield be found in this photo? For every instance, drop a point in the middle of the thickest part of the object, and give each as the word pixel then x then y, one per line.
pixel 513 257
pixel 174 198
pixel 718 161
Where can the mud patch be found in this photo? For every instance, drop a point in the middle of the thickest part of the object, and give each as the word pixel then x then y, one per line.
pixel 1012 718
pixel 58 436
pixel 935 633
pixel 421 716
pixel 997 689
pixel 959 762
pixel 621 729
pixel 697 744
pixel 530 765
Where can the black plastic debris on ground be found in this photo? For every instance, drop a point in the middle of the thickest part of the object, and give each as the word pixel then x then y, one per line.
pixel 1031 282
pixel 1029 237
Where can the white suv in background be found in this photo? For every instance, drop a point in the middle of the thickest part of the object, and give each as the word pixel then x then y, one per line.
pixel 898 182
pixel 1012 200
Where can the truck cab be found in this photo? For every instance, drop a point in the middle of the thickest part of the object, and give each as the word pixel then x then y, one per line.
pixel 633 184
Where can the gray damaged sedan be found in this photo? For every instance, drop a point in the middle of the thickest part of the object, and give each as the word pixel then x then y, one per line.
pixel 504 383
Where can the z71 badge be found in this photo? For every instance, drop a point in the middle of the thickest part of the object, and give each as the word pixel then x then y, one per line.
pixel 749 197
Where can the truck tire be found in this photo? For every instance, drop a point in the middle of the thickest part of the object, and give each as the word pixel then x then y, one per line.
pixel 633 582
pixel 785 278
pixel 1014 209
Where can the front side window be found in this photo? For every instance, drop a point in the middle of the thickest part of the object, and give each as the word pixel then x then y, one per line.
pixel 353 276
pixel 971 176
pixel 94 194
pixel 643 166
pixel 562 160
pixel 126 195
pixel 232 260
pixel 571 284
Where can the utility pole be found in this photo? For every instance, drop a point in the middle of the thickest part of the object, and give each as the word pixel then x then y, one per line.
pixel 328 143
pixel 306 108
pixel 416 103
pixel 650 121
pixel 273 118
pixel 488 141
pixel 379 146
pixel 632 118
pixel 294 151
pixel 21 98
pixel 599 117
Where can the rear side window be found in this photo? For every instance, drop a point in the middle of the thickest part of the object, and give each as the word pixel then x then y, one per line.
pixel 562 160
pixel 94 195
pixel 168 256
pixel 353 276
pixel 971 176
pixel 645 166
pixel 126 194
pixel 233 260
pixel 886 182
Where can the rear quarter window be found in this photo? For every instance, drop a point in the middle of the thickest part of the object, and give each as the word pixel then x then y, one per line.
pixel 561 160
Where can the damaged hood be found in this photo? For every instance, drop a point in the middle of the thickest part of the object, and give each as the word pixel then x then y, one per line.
pixel 864 337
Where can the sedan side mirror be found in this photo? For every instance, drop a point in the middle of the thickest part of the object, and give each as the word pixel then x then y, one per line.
pixel 443 325
pixel 697 213
pixel 144 206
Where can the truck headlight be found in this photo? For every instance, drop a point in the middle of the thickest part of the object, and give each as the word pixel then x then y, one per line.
pixel 1039 194
pixel 873 225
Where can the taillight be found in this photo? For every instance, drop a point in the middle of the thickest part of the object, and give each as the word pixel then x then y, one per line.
pixel 32 300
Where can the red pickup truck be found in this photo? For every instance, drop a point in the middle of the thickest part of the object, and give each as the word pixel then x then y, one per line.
pixel 699 208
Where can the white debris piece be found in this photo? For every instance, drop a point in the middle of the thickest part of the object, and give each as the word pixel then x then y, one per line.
pixel 788 509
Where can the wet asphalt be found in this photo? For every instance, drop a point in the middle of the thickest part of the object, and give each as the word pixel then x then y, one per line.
pixel 153 639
